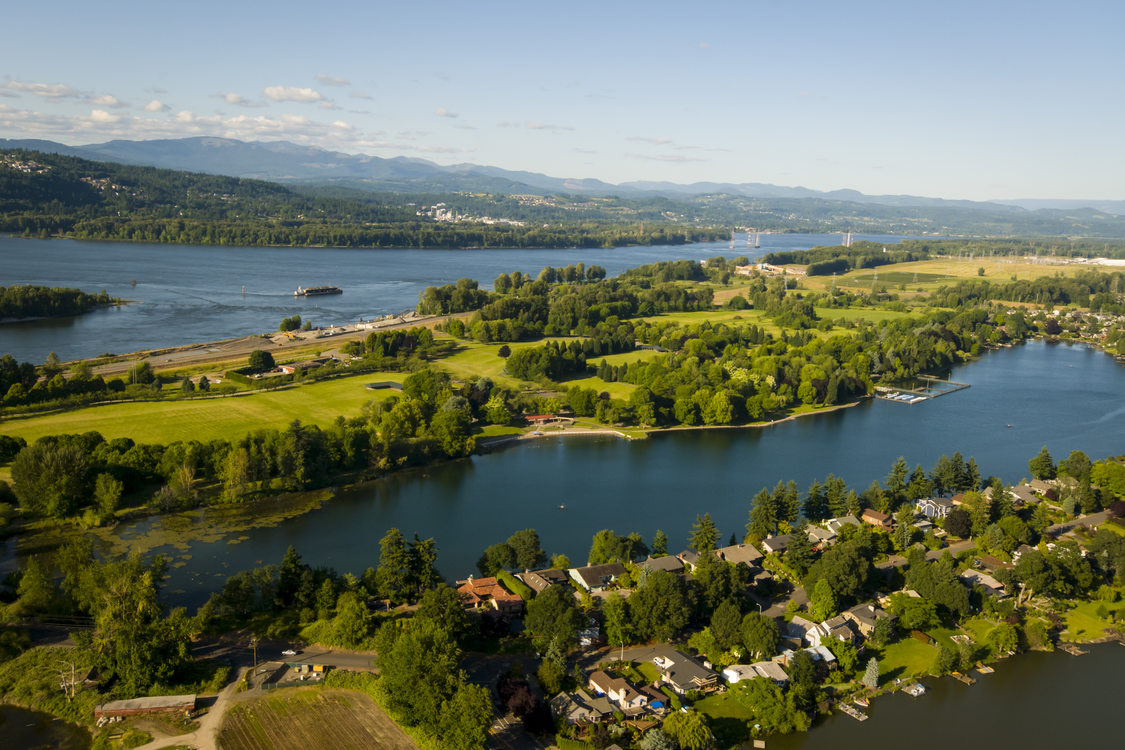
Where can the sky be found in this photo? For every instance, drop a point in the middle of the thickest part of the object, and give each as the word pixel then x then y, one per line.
pixel 973 100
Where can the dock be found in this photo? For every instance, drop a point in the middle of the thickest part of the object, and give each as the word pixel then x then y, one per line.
pixel 1072 649
pixel 915 689
pixel 964 678
pixel 853 712
pixel 927 388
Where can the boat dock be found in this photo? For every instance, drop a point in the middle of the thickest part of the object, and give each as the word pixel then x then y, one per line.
pixel 927 388
pixel 915 689
pixel 853 712
pixel 1072 649
pixel 964 678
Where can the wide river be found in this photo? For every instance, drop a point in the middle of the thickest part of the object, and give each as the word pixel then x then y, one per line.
pixel 190 295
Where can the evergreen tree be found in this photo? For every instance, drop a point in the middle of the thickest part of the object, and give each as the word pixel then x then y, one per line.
pixel 704 534
pixel 871 674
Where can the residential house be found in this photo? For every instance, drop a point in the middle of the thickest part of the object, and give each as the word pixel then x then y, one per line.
pixel 580 707
pixel 689 558
pixel 1020 551
pixel 864 616
pixel 837 627
pixel 835 524
pixel 682 673
pixel 597 577
pixel 618 690
pixel 1039 486
pixel 1023 495
pixel 799 628
pixel 933 507
pixel 669 563
pixel 588 637
pixel 975 578
pixel 776 544
pixel 740 553
pixel 769 670
pixel 819 536
pixel 538 580
pixel 876 519
pixel 480 593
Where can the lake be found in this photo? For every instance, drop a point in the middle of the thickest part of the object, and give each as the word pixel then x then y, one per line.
pixel 34 730
pixel 1020 399
pixel 194 294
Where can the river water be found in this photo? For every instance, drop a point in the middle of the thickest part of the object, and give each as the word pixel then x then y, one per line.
pixel 34 730
pixel 1033 701
pixel 1064 397
pixel 191 294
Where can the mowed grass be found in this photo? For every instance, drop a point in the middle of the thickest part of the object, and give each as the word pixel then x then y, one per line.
pixel 1083 622
pixel 301 718
pixel 906 657
pixel 214 418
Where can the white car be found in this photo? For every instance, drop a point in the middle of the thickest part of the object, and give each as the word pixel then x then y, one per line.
pixel 288 652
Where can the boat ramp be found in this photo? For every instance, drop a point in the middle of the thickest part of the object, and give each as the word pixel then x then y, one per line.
pixel 926 388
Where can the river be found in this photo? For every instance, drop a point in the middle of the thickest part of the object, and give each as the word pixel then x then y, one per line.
pixel 194 294
pixel 1062 396
pixel 1034 701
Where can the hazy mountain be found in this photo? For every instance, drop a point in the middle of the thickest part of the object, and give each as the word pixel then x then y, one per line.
pixel 289 162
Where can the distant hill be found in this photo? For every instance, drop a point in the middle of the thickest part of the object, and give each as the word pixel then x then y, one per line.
pixel 282 161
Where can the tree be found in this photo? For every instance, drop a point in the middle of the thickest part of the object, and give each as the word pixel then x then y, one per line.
pixel 453 431
pixel 704 534
pixel 914 613
pixel 661 607
pixel 660 544
pixel 260 361
pixel 352 622
pixel 1004 638
pixel 553 615
pixel 689 729
pixel 958 523
pixel 657 739
pixel 528 552
pixel 760 635
pixel 107 494
pixel 616 620
pixel 800 554
pixel 499 556
pixel 441 606
pixel 51 477
pixel 871 674
pixel 822 603
pixel 726 623
pixel 418 670
pixel 466 717
pixel 1042 466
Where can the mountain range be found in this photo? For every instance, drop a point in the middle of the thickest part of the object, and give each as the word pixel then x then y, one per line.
pixel 282 161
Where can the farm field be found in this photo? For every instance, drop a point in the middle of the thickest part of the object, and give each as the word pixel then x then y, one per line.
pixel 210 419
pixel 300 718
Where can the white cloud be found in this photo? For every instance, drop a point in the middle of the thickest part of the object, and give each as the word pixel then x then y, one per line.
pixel 533 125
pixel 360 95
pixel 293 94
pixel 156 106
pixel 239 100
pixel 443 150
pixel 52 92
pixel 661 141
pixel 327 105
pixel 443 112
pixel 100 115
pixel 107 101
pixel 333 80
pixel 678 158
pixel 341 125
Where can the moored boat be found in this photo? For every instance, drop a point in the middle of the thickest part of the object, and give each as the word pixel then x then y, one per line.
pixel 316 291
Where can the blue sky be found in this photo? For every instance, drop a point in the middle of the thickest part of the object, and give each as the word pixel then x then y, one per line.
pixel 953 99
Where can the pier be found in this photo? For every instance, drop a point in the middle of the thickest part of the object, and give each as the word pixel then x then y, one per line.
pixel 927 388
pixel 853 712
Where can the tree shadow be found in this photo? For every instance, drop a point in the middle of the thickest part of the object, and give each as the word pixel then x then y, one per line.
pixel 891 676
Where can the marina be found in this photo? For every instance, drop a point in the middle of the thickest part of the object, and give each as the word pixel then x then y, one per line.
pixel 929 387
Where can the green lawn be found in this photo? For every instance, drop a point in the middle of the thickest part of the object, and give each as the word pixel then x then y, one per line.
pixel 729 718
pixel 978 628
pixel 906 658
pixel 648 670
pixel 1083 623
pixel 208 419
pixel 872 314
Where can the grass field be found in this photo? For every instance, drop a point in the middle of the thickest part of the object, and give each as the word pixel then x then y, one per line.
pixel 906 657
pixel 1083 623
pixel 301 718
pixel 926 275
pixel 207 419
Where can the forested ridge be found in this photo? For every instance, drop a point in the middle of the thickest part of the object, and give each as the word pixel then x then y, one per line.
pixel 45 195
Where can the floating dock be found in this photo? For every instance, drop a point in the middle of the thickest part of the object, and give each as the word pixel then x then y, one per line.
pixel 964 678
pixel 1072 649
pixel 927 388
pixel 853 712
pixel 915 690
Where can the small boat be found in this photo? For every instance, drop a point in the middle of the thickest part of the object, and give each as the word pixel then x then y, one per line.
pixel 862 702
pixel 562 507
pixel 316 291
pixel 915 690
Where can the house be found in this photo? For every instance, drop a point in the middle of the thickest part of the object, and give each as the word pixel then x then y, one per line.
pixel 657 701
pixel 1023 495
pixel 864 616
pixel 1020 551
pixel 538 580
pixel 1039 486
pixel 669 563
pixel 876 519
pixel 589 637
pixel 933 507
pixel 597 577
pixel 819 536
pixel 775 545
pixel 740 553
pixel 976 578
pixel 682 673
pixel 580 706
pixel 618 690
pixel 487 592
pixel 689 558
pixel 769 670
pixel 799 628
pixel 837 627
pixel 835 524
pixel 818 654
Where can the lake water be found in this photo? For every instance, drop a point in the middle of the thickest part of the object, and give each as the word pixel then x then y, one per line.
pixel 1033 701
pixel 34 730
pixel 1064 397
pixel 192 294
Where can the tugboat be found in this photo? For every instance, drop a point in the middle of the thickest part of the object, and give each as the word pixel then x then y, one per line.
pixel 316 291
